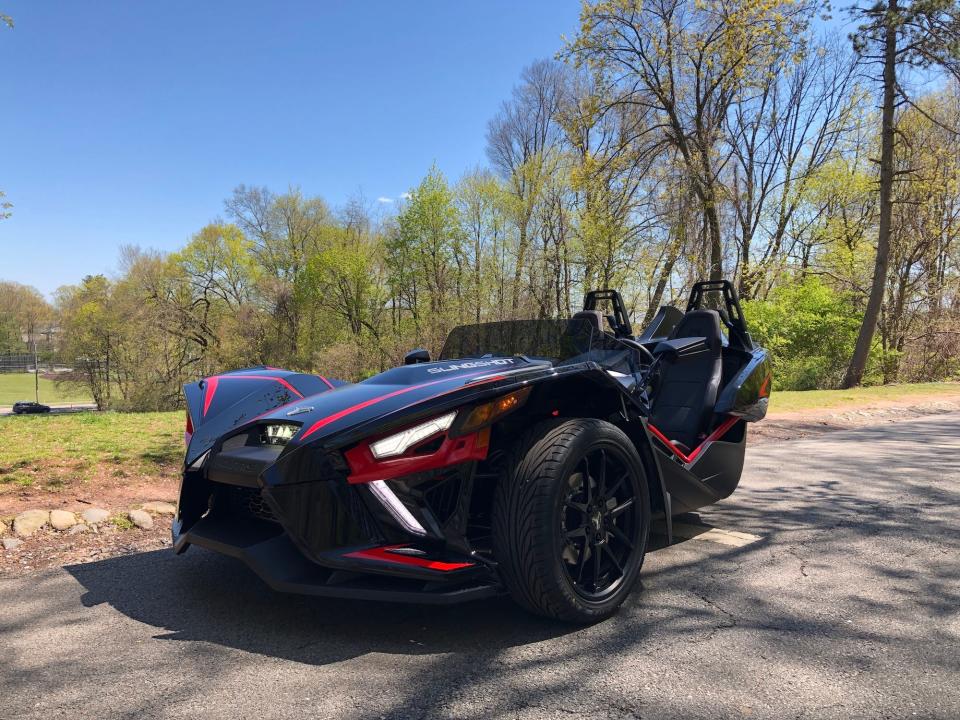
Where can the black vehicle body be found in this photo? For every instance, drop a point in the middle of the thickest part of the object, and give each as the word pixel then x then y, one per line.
pixel 293 473
pixel 26 407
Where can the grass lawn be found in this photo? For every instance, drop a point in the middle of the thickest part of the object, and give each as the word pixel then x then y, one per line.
pixel 800 400
pixel 58 450
pixel 19 386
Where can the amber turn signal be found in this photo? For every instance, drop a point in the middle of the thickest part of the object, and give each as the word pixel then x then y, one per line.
pixel 484 415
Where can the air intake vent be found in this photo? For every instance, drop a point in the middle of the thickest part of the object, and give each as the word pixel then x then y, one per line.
pixel 244 502
pixel 442 496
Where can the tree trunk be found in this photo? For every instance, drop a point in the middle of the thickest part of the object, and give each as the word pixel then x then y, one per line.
pixel 861 352
pixel 716 244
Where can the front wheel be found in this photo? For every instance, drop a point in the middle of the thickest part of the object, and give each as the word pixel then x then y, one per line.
pixel 571 520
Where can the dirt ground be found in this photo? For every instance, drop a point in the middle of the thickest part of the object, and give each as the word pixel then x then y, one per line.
pixel 49 548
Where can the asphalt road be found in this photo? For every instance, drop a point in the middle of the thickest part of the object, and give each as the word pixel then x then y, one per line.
pixel 847 604
pixel 56 409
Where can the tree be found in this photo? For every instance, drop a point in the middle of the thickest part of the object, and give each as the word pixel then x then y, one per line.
pixel 689 63
pixel 427 278
pixel 897 34
pixel 521 142
pixel 780 136
pixel 24 311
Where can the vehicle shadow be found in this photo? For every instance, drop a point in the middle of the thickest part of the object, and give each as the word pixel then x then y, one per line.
pixel 211 598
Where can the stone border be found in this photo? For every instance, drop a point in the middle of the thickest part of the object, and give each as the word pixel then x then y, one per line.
pixel 29 522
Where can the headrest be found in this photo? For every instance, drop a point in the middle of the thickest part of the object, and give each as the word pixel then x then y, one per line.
pixel 700 323
pixel 594 317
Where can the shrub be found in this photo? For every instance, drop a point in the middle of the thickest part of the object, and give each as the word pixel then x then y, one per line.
pixel 810 330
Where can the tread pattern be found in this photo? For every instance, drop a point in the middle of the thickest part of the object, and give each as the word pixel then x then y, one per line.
pixel 523 520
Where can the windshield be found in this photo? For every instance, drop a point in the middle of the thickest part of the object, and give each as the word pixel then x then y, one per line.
pixel 561 342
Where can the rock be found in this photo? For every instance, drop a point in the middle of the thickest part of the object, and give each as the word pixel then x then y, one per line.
pixel 62 520
pixel 3 528
pixel 11 543
pixel 94 516
pixel 141 519
pixel 78 528
pixel 28 522
pixel 159 508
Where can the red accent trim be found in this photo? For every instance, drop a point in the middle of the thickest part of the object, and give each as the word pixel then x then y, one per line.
pixel 326 382
pixel 373 401
pixel 472 384
pixel 715 435
pixel 280 380
pixel 722 430
pixel 212 382
pixel 364 467
pixel 210 389
pixel 384 554
pixel 765 389
pixel 188 431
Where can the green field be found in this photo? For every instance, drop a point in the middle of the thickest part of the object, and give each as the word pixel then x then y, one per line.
pixel 798 401
pixel 19 386
pixel 56 450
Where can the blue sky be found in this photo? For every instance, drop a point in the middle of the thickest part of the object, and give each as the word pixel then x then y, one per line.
pixel 130 122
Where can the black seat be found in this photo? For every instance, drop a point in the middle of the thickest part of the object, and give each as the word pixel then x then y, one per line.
pixel 593 317
pixel 687 389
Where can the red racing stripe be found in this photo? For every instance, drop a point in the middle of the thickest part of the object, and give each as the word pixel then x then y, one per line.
pixel 213 382
pixel 373 401
pixel 208 392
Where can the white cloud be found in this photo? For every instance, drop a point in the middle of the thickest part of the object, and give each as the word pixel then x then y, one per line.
pixel 405 196
pixel 384 200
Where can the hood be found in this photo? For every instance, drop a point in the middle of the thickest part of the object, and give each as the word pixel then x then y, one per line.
pixel 327 413
pixel 395 390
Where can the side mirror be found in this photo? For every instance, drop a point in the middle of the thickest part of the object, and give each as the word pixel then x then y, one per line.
pixel 416 356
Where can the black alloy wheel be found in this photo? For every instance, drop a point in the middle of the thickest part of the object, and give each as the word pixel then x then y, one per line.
pixel 598 522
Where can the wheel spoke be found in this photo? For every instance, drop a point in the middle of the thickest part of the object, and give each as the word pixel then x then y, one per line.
pixel 582 562
pixel 616 563
pixel 597 558
pixel 576 533
pixel 618 484
pixel 587 489
pixel 621 536
pixel 602 475
pixel 621 508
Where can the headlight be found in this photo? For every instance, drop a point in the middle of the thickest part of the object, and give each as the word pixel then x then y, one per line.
pixel 401 442
pixel 278 434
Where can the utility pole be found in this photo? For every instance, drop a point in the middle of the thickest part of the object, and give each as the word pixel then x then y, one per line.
pixel 36 371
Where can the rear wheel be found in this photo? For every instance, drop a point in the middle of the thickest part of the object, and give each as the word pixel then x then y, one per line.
pixel 571 520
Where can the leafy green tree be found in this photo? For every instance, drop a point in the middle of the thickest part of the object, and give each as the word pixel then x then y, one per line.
pixel 426 255
pixel 898 35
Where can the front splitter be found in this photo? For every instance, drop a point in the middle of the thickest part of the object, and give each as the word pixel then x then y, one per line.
pixel 279 563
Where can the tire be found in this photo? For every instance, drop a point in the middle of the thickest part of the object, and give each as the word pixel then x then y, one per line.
pixel 551 490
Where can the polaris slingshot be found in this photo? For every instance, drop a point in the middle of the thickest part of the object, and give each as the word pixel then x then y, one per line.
pixel 531 457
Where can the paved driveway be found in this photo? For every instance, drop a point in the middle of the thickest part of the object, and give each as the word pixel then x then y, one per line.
pixel 831 589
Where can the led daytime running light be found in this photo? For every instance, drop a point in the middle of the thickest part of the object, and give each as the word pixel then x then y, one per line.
pixel 279 434
pixel 401 442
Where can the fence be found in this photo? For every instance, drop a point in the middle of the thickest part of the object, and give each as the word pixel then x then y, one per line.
pixel 24 362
